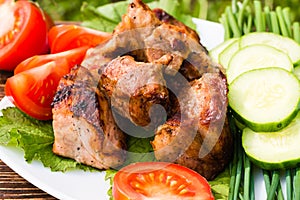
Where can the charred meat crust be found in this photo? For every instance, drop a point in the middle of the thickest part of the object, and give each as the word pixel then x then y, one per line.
pixel 134 87
pixel 208 148
pixel 196 133
pixel 83 125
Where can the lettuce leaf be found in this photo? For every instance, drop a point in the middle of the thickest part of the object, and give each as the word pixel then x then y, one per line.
pixel 106 17
pixel 35 138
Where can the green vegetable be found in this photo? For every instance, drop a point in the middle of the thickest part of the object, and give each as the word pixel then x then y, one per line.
pixel 256 57
pixel 297 71
pixel 106 17
pixel 285 44
pixel 109 176
pixel 226 55
pixel 251 17
pixel 220 185
pixel 265 99
pixel 35 138
pixel 274 150
pixel 215 52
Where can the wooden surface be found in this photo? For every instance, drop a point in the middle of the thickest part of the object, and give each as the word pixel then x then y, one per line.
pixel 12 186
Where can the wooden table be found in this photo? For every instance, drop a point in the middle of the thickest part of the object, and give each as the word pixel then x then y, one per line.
pixel 12 186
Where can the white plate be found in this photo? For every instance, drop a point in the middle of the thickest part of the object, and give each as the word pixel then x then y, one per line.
pixel 91 185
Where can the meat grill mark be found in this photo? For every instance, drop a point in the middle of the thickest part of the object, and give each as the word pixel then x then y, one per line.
pixel 82 130
pixel 166 46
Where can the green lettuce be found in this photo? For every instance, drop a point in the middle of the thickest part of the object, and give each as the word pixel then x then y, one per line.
pixel 35 138
pixel 106 17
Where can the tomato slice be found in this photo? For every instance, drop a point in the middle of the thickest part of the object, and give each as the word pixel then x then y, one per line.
pixel 159 180
pixel 66 36
pixel 34 84
pixel 33 90
pixel 73 57
pixel 23 32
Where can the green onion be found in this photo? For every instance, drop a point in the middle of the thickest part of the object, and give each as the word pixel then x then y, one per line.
pixel 288 180
pixel 279 192
pixel 282 24
pixel 260 27
pixel 238 175
pixel 241 13
pixel 274 22
pixel 247 177
pixel 248 26
pixel 296 31
pixel 267 11
pixel 274 185
pixel 233 169
pixel 287 20
pixel 232 23
pixel 267 181
pixel 297 184
pixel 227 31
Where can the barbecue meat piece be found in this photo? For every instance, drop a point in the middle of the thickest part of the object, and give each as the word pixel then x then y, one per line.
pixel 128 37
pixel 198 135
pixel 152 36
pixel 84 128
pixel 134 87
pixel 164 17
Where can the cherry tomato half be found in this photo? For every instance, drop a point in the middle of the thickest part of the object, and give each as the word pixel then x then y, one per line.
pixel 34 84
pixel 23 32
pixel 159 180
pixel 66 36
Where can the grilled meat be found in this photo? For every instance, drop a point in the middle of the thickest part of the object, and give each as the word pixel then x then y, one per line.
pixel 152 59
pixel 83 124
pixel 164 17
pixel 198 136
pixel 134 87
pixel 152 36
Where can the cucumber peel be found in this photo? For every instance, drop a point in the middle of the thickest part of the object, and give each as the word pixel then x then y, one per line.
pixel 254 57
pixel 274 150
pixel 215 52
pixel 285 44
pixel 265 99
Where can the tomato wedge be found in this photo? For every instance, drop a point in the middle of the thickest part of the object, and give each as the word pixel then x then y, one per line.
pixel 66 36
pixel 34 84
pixel 33 90
pixel 159 180
pixel 73 57
pixel 23 32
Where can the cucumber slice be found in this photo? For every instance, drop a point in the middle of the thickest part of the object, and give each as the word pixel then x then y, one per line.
pixel 228 52
pixel 255 57
pixel 287 45
pixel 214 53
pixel 265 99
pixel 297 71
pixel 274 150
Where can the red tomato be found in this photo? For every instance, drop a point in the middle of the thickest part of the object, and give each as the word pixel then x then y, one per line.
pixel 33 90
pixel 65 36
pixel 159 180
pixel 23 32
pixel 34 84
pixel 73 57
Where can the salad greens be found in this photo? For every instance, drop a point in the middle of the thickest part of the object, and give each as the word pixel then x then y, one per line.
pixel 239 19
pixel 106 17
pixel 35 138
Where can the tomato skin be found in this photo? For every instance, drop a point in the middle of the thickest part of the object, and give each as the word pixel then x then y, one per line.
pixel 35 81
pixel 33 90
pixel 28 38
pixel 159 180
pixel 66 36
pixel 73 57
